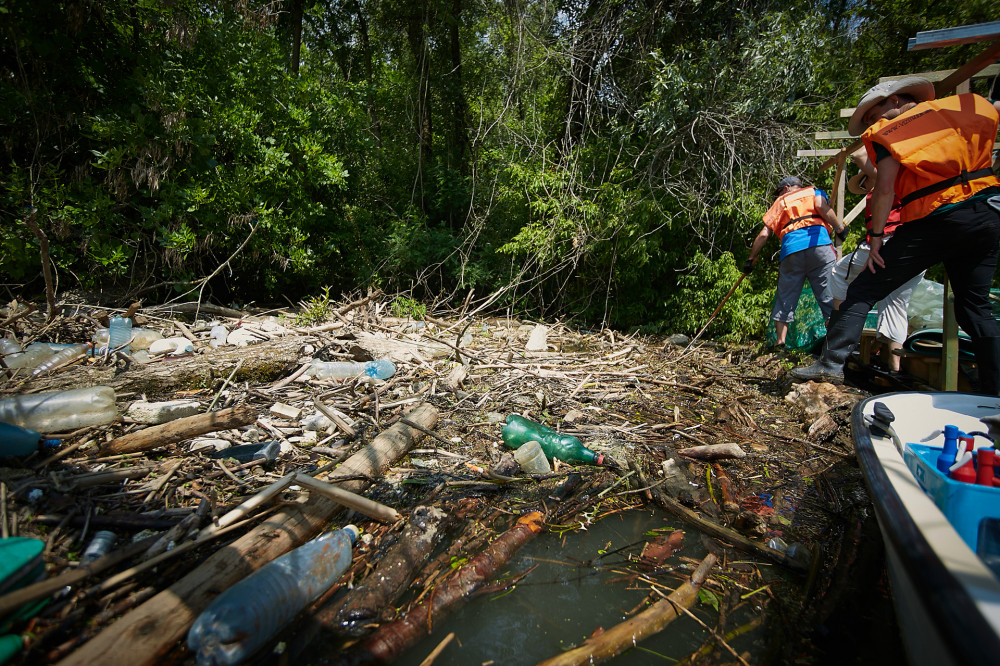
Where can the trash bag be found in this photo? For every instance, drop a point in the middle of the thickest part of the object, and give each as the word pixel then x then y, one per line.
pixel 807 332
pixel 926 306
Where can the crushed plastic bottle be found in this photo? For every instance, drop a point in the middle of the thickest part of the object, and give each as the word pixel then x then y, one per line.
pixel 18 441
pixel 380 369
pixel 567 448
pixel 61 411
pixel 266 451
pixel 219 335
pixel 174 346
pixel 242 619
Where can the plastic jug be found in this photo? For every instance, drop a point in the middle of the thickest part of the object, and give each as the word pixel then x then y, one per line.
pixel 567 448
pixel 60 411
pixel 243 618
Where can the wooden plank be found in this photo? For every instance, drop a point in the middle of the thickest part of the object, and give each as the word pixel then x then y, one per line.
pixel 963 34
pixel 149 632
pixel 839 134
pixel 966 71
pixel 949 336
pixel 857 210
pixel 939 75
pixel 822 152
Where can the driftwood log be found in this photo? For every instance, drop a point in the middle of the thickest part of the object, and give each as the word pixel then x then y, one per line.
pixel 148 633
pixel 180 429
pixel 262 363
pixel 626 634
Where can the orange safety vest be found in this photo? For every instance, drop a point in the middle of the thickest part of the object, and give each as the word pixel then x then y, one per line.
pixel 795 210
pixel 944 148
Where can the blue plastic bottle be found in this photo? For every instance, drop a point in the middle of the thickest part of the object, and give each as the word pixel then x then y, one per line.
pixel 245 617
pixel 947 457
pixel 120 333
pixel 17 441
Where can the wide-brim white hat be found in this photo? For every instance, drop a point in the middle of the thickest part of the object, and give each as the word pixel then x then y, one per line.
pixel 916 86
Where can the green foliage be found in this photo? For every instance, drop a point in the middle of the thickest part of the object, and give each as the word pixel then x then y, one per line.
pixel 317 309
pixel 607 162
pixel 403 306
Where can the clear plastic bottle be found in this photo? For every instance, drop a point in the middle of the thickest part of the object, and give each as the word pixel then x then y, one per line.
pixel 242 619
pixel 18 441
pixel 60 411
pixel 567 448
pixel 174 346
pixel 99 546
pixel 380 369
pixel 63 357
pixel 31 357
pixel 120 334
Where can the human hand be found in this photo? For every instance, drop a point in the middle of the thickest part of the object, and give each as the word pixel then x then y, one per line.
pixel 842 234
pixel 748 266
pixel 874 258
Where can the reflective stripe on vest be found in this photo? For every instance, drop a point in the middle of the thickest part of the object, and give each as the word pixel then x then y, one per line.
pixel 944 148
pixel 793 211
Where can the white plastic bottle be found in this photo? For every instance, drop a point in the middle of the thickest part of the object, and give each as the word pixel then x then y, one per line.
pixel 61 411
pixel 242 619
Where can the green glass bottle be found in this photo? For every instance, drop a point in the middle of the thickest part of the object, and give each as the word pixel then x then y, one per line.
pixel 567 448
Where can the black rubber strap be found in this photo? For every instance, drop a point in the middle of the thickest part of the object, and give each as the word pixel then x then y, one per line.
pixel 961 178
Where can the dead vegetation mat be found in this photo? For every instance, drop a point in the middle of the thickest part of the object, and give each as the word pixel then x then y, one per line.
pixel 426 444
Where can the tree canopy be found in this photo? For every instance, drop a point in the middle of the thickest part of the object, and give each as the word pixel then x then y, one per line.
pixel 605 160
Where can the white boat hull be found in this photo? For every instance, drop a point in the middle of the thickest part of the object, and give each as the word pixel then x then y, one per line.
pixel 947 600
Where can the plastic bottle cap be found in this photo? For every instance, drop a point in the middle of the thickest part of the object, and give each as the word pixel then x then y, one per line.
pixel 600 459
pixel 353 532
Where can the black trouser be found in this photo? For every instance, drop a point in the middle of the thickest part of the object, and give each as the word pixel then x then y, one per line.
pixel 965 239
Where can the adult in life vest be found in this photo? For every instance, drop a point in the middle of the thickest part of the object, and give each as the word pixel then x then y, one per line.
pixel 935 155
pixel 802 219
pixel 892 325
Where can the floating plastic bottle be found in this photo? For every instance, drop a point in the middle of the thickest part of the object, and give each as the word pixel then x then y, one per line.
pixel 31 357
pixel 242 619
pixel 947 456
pixel 380 369
pixel 120 334
pixel 141 338
pixel 63 357
pixel 98 547
pixel 60 411
pixel 567 448
pixel 17 441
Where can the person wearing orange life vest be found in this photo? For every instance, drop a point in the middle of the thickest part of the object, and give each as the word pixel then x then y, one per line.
pixel 935 154
pixel 892 325
pixel 802 219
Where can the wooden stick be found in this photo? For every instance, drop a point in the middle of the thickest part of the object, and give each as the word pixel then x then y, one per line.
pixel 262 497
pixel 181 429
pixel 150 631
pixel 626 634
pixel 363 505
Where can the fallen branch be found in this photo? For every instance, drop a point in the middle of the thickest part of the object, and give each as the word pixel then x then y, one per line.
pixel 626 634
